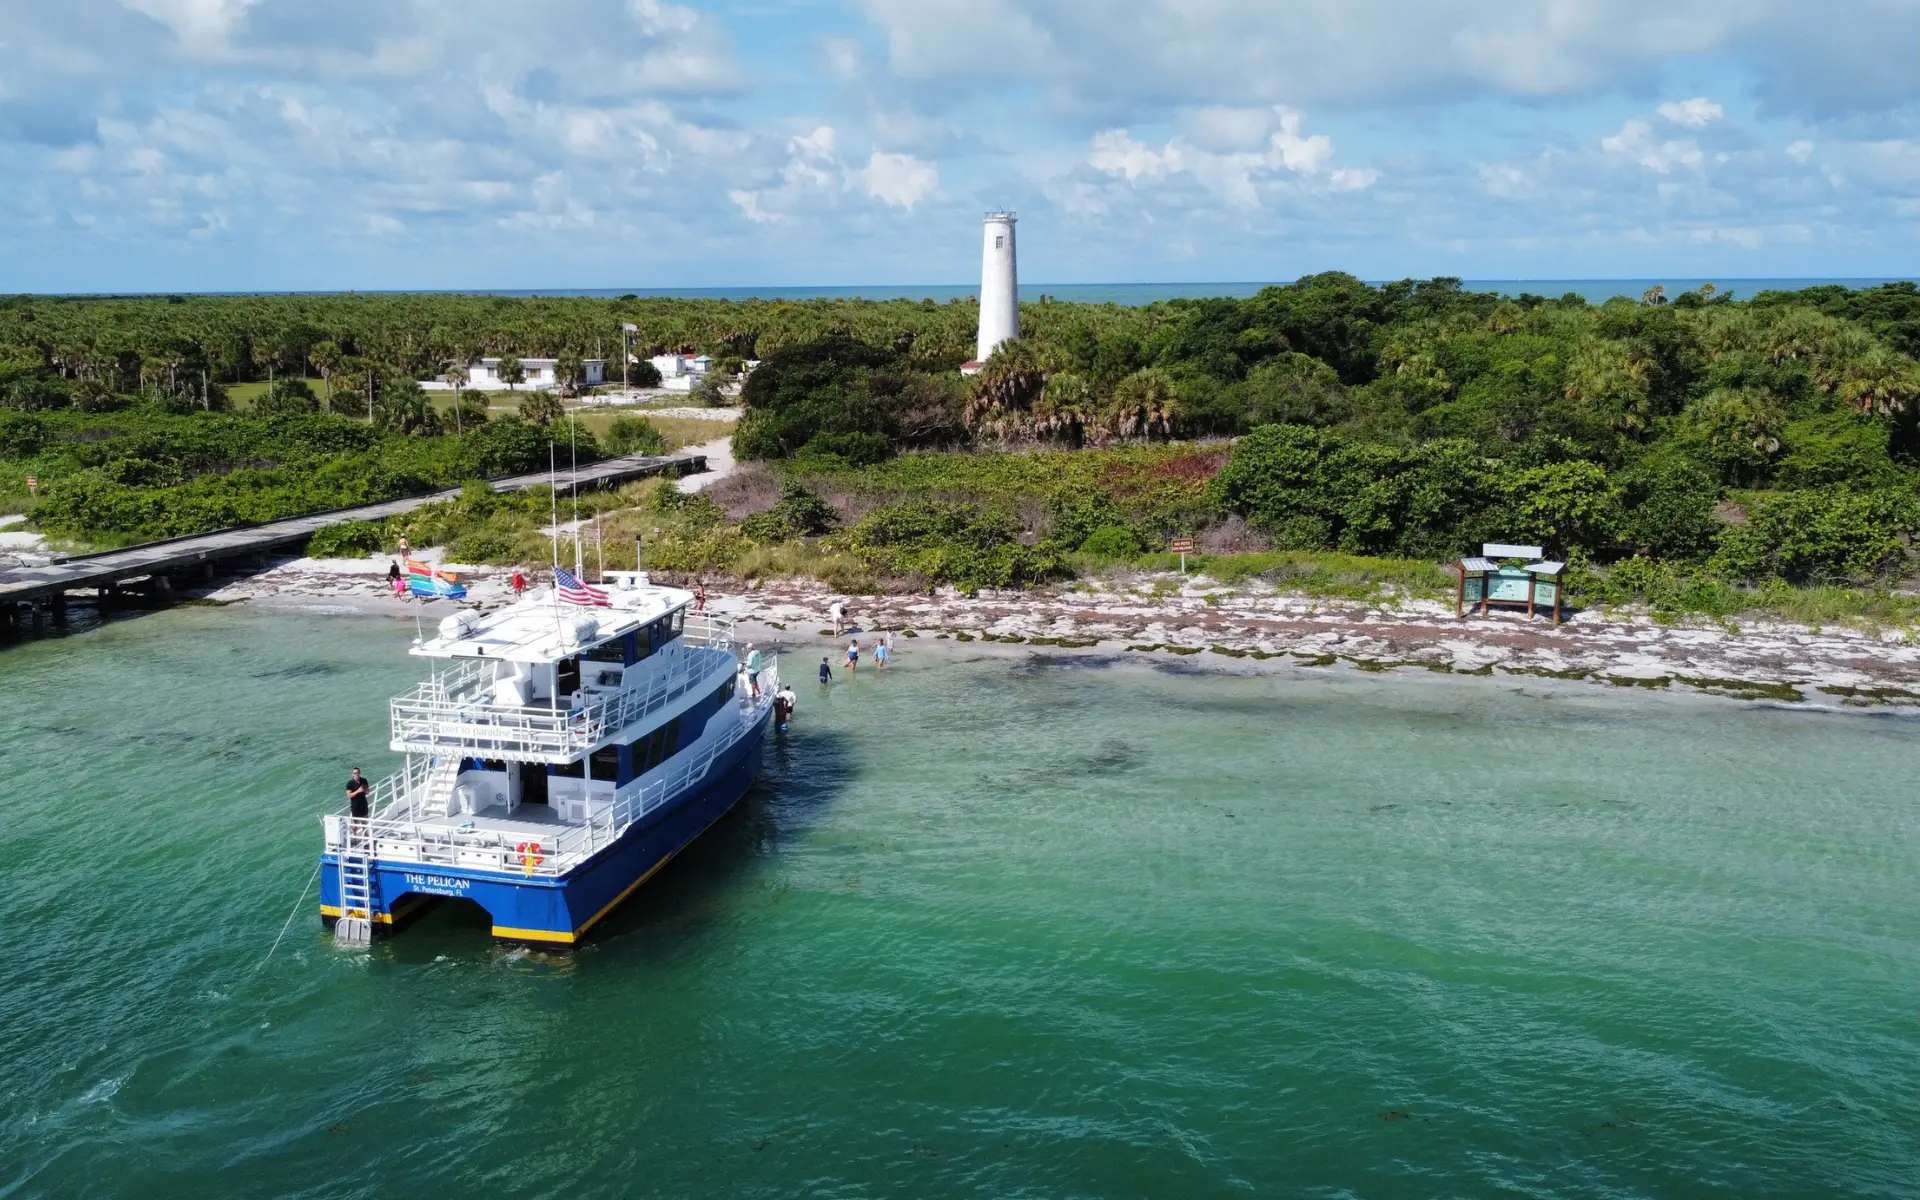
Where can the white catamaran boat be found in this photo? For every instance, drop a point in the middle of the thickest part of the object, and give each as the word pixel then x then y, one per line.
pixel 560 754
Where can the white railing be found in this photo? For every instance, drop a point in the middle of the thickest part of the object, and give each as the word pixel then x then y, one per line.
pixel 433 719
pixel 398 840
pixel 708 629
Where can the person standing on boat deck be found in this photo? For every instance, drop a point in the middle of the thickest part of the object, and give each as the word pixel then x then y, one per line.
pixel 839 613
pixel 753 669
pixel 826 672
pixel 357 794
pixel 853 656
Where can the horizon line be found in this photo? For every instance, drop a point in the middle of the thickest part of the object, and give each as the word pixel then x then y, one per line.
pixel 584 292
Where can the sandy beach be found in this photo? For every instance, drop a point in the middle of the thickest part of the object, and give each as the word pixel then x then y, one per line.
pixel 1244 626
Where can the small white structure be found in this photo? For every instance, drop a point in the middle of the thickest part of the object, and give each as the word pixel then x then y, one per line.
pixel 999 287
pixel 679 372
pixel 484 375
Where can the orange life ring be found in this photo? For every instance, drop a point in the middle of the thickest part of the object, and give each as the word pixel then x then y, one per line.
pixel 530 855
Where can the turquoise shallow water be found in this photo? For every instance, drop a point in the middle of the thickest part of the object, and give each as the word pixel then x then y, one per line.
pixel 999 924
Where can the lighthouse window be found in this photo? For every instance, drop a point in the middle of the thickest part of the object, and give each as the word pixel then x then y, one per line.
pixel 1000 243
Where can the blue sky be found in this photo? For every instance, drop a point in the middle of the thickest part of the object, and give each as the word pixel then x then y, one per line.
pixel 318 144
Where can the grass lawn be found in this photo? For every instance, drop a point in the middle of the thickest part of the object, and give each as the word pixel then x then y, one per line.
pixel 244 394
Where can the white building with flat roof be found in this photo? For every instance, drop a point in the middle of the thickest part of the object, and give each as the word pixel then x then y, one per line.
pixel 484 375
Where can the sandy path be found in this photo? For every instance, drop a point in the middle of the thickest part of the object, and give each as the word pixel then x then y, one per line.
pixel 720 464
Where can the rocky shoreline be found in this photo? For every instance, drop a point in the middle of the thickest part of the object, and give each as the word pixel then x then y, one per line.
pixel 1195 619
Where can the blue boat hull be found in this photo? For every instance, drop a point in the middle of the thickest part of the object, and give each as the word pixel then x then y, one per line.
pixel 560 911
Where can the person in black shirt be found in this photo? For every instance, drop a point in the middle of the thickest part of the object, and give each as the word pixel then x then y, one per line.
pixel 357 794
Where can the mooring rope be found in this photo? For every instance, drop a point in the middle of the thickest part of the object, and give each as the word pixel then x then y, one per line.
pixel 290 916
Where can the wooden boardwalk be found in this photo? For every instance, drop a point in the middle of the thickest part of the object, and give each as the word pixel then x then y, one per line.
pixel 159 560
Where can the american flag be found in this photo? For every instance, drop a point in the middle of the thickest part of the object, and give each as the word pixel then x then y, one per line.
pixel 572 591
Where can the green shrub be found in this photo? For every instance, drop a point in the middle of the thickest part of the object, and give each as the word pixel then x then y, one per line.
pixel 1824 535
pixel 287 397
pixel 349 539
pixel 951 543
pixel 1668 508
pixel 634 435
pixel 1112 541
pixel 798 513
pixel 851 449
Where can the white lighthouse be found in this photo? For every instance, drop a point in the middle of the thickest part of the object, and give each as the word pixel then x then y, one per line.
pixel 999 285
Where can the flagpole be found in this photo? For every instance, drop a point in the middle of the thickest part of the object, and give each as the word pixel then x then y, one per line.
pixel 553 501
pixel 573 450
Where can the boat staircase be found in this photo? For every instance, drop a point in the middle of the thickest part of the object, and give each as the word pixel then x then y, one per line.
pixel 443 776
pixel 355 924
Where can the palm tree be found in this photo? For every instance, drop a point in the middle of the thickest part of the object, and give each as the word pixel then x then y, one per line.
pixel 540 407
pixel 568 371
pixel 325 357
pixel 1880 383
pixel 510 370
pixel 1145 404
pixel 457 376
pixel 1006 387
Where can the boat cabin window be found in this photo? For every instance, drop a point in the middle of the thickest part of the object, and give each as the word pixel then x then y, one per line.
pixel 659 633
pixel 605 764
pixel 614 651
pixel 651 750
pixel 572 770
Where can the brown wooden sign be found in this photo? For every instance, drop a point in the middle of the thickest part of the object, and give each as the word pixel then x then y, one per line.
pixel 1180 546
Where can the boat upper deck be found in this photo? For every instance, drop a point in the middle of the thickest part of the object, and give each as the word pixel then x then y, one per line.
pixel 544 629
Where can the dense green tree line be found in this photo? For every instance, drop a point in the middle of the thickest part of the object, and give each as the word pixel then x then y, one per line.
pixel 142 474
pixel 1770 438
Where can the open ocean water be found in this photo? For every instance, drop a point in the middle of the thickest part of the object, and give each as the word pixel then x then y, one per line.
pixel 1594 291
pixel 996 924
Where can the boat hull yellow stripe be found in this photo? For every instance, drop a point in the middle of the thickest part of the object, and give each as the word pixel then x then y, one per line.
pixel 532 935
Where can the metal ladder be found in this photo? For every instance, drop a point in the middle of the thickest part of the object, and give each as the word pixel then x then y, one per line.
pixel 355 924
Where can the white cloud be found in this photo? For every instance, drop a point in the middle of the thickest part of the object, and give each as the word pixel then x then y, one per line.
pixel 1126 57
pixel 1636 140
pixel 749 205
pixel 1744 237
pixel 1236 176
pixel 1800 151
pixel 899 179
pixel 200 25
pixel 1696 113
pixel 842 57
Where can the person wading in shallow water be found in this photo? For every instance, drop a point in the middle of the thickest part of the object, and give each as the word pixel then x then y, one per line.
pixel 826 672
pixel 357 790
